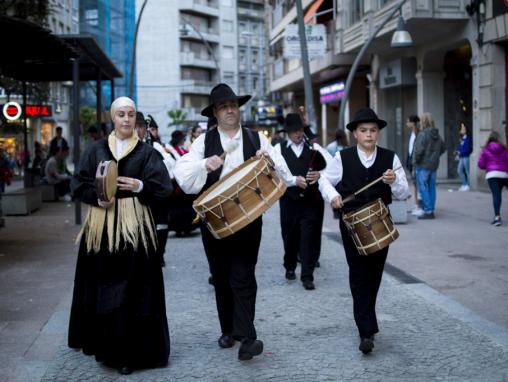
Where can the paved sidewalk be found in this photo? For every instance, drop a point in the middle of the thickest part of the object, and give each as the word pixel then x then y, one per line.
pixel 308 335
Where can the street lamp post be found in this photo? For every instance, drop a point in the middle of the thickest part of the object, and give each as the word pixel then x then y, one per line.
pixel 307 84
pixel 134 44
pixel 185 32
pixel 400 39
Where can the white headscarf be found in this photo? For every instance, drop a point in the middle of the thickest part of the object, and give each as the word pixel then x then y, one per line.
pixel 121 102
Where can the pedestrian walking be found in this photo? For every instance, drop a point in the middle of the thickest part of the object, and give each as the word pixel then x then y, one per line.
pixel 428 148
pixel 339 143
pixel 118 310
pixel 159 208
pixel 301 206
pixel 349 171
pixel 464 150
pixel 494 160
pixel 413 124
pixel 232 259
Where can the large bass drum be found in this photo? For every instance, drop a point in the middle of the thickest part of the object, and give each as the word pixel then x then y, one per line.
pixel 240 197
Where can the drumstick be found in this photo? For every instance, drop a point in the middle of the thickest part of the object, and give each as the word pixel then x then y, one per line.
pixel 352 196
pixel 230 147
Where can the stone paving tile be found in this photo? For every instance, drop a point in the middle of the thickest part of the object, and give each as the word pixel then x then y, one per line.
pixel 308 335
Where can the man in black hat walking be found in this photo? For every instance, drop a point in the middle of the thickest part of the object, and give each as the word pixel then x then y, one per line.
pixel 232 259
pixel 301 206
pixel 350 170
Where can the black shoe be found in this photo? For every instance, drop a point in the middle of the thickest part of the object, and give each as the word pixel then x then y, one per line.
pixel 366 345
pixel 125 370
pixel 226 341
pixel 426 216
pixel 497 221
pixel 290 275
pixel 308 284
pixel 211 281
pixel 99 358
pixel 250 348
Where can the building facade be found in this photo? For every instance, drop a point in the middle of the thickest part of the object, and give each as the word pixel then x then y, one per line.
pixel 455 69
pixel 112 23
pixel 44 117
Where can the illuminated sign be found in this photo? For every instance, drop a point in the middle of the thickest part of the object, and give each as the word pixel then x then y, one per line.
pixel 332 92
pixel 12 111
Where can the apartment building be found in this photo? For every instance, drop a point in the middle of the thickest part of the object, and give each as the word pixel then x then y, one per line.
pixel 186 47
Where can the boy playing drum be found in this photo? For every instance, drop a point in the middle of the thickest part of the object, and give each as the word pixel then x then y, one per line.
pixel 350 170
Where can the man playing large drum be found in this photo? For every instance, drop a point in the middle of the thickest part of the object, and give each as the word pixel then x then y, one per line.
pixel 349 171
pixel 232 259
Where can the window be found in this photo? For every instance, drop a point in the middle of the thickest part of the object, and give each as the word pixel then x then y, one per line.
pixel 241 56
pixel 92 17
pixel 227 26
pixel 228 52
pixel 229 78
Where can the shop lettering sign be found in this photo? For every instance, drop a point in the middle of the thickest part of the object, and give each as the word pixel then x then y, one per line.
pixel 316 41
pixel 332 92
pixel 12 110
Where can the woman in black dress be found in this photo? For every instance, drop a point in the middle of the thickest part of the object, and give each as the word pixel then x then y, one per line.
pixel 118 309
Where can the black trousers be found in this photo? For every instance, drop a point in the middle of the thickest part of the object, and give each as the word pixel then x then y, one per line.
pixel 233 263
pixel 301 226
pixel 162 239
pixel 365 274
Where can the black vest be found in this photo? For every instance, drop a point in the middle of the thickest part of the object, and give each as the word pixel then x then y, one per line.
pixel 356 176
pixel 251 144
pixel 299 166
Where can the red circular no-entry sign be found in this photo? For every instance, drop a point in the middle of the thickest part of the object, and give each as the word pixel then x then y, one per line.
pixel 12 110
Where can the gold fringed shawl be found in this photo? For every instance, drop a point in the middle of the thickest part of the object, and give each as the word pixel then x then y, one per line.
pixel 134 223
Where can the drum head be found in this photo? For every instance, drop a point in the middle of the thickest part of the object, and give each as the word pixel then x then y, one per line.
pixel 112 175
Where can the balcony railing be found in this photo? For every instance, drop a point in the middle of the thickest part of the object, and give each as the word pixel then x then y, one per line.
pixel 196 86
pixel 202 7
pixel 199 60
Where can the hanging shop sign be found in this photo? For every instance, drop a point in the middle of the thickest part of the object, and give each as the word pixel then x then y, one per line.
pixel 332 92
pixel 12 110
pixel 398 73
pixel 316 41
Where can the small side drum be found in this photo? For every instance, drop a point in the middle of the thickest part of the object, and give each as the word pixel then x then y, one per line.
pixel 105 180
pixel 371 227
pixel 240 197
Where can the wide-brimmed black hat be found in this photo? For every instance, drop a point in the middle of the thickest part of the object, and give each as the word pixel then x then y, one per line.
pixel 222 93
pixel 293 122
pixel 140 118
pixel 365 114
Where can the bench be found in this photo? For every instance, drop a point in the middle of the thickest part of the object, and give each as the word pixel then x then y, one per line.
pixel 398 210
pixel 22 201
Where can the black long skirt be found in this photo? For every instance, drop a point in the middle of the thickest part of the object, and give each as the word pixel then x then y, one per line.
pixel 118 308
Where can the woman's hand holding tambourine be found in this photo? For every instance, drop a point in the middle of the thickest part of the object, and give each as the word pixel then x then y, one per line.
pixel 106 204
pixel 128 184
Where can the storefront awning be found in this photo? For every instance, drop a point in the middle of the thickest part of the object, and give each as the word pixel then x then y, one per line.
pixel 312 10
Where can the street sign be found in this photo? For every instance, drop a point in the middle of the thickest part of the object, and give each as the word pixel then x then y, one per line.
pixel 316 41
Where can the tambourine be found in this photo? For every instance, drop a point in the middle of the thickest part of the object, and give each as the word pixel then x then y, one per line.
pixel 105 180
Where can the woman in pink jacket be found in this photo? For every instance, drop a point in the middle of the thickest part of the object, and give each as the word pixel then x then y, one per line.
pixel 494 160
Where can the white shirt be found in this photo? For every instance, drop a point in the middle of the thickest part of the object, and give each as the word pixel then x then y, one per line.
pixel 332 175
pixel 412 139
pixel 298 149
pixel 190 170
